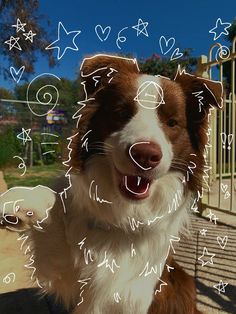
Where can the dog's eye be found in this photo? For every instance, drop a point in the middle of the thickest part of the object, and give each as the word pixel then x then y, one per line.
pixel 171 123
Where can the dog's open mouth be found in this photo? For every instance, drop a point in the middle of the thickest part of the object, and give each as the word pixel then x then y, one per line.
pixel 133 186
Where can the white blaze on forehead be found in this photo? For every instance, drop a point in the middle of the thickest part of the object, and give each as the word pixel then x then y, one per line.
pixel 150 94
pixel 145 125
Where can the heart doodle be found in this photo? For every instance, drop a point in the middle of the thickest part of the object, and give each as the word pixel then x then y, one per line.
pixel 16 75
pixel 176 54
pixel 224 187
pixel 222 241
pixel 227 195
pixel 166 45
pixel 102 33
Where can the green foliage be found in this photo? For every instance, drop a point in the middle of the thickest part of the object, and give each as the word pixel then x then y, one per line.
pixel 44 175
pixel 163 66
pixel 10 147
pixel 232 31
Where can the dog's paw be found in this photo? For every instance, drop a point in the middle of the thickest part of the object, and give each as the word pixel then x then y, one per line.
pixel 23 207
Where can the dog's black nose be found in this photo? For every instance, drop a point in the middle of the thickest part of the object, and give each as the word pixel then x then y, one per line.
pixel 146 155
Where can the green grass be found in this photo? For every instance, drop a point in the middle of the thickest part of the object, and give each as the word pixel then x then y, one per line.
pixel 44 175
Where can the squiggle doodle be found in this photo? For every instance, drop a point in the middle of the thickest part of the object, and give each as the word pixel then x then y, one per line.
pixel 117 297
pixel 22 165
pixel 133 251
pixel 200 98
pixel 49 143
pixel 84 140
pixel 146 271
pixel 87 253
pixel 175 202
pixel 84 283
pixel 134 224
pixel 107 265
pixel 171 240
pixel 93 194
pixel 29 265
pixel 9 278
pixel 162 283
pixel 121 39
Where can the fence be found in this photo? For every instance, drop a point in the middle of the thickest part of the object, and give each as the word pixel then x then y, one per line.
pixel 223 129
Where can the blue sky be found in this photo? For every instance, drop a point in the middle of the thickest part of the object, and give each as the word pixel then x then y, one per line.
pixel 188 22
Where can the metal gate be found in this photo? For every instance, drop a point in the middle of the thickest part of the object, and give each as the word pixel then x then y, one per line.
pixel 223 130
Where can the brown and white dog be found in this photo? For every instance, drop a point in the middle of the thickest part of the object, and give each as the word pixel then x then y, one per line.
pixel 110 252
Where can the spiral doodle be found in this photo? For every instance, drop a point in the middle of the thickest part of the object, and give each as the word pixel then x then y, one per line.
pixel 120 39
pixel 43 96
pixel 222 53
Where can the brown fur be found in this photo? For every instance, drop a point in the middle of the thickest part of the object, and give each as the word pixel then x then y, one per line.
pixel 179 296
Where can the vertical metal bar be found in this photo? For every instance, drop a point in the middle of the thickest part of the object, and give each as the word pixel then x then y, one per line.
pixel 229 132
pixel 219 146
pixel 224 129
pixel 233 126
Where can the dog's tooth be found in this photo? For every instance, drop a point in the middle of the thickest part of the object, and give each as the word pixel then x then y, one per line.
pixel 139 180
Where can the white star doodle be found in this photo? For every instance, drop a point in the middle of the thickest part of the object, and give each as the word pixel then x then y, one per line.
pixel 205 252
pixel 221 286
pixel 217 30
pixel 15 43
pixel 62 31
pixel 138 28
pixel 212 217
pixel 24 135
pixel 29 36
pixel 203 232
pixel 19 26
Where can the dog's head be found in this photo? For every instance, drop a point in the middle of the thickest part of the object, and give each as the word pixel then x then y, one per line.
pixel 139 133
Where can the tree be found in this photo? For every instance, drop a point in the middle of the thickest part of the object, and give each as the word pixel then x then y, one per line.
pixel 27 13
pixel 163 66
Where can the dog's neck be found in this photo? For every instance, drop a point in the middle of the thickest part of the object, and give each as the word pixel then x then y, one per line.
pixel 95 224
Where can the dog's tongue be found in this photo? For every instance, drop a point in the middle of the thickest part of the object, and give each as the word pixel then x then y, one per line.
pixel 137 184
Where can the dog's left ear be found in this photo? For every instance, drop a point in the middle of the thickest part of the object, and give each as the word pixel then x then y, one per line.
pixel 201 94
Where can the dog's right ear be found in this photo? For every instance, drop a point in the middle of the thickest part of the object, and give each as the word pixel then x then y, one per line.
pixel 101 70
